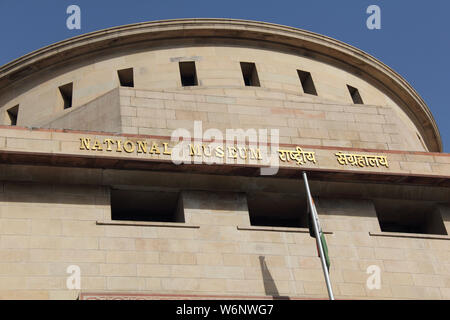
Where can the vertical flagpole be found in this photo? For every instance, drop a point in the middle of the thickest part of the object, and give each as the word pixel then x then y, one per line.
pixel 312 209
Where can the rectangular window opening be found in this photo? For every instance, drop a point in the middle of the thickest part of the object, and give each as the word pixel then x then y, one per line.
pixel 354 93
pixel 407 216
pixel 307 82
pixel 188 74
pixel 126 77
pixel 13 113
pixel 277 210
pixel 150 206
pixel 250 74
pixel 66 94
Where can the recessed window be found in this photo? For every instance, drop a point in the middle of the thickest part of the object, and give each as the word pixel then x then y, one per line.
pixel 277 210
pixel 126 77
pixel 133 205
pixel 66 95
pixel 409 216
pixel 250 74
pixel 188 74
pixel 13 113
pixel 354 93
pixel 307 82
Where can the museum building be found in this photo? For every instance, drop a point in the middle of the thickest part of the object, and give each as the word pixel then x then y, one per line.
pixel 94 206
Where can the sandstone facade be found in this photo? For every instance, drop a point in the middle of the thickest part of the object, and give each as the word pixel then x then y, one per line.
pixel 56 197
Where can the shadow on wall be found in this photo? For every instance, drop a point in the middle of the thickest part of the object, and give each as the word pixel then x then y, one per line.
pixel 270 287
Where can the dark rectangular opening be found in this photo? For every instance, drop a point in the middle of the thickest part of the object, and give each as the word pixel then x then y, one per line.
pixel 409 216
pixel 156 206
pixel 250 74
pixel 13 113
pixel 126 77
pixel 307 82
pixel 188 74
pixel 277 210
pixel 66 94
pixel 354 93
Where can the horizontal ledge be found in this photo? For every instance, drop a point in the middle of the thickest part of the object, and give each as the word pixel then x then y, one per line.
pixel 105 162
pixel 277 229
pixel 147 224
pixel 409 235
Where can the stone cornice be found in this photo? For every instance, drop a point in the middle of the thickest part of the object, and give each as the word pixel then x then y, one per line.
pixel 368 67
pixel 64 148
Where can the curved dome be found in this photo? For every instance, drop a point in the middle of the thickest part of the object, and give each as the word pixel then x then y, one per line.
pixel 332 60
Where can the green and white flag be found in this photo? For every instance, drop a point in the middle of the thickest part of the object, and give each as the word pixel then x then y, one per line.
pixel 315 230
pixel 312 212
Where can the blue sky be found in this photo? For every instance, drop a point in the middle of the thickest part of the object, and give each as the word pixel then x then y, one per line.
pixel 414 39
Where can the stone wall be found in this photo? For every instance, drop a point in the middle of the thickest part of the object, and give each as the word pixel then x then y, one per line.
pixel 101 114
pixel 222 99
pixel 46 227
pixel 300 120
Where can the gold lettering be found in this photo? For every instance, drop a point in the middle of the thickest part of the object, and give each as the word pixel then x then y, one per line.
pixel 97 146
pixel 231 154
pixel 383 161
pixel 284 155
pixel 341 158
pixel 352 159
pixel 119 146
pixel 244 157
pixel 297 155
pixel 361 160
pixel 155 149
pixel 207 154
pixel 195 152
pixel 128 146
pixel 372 161
pixel 255 154
pixel 85 144
pixel 166 151
pixel 142 146
pixel 220 152
pixel 108 144
pixel 310 156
